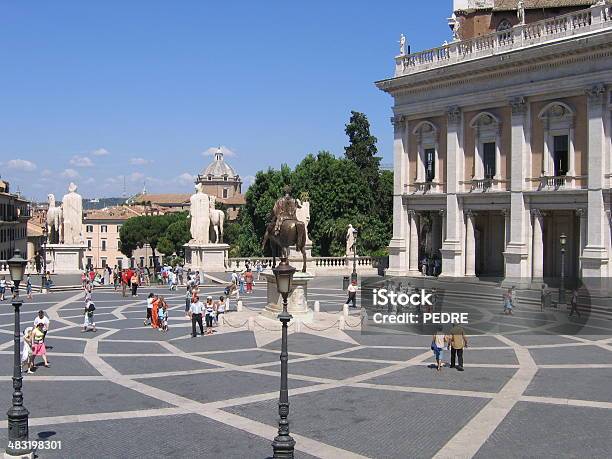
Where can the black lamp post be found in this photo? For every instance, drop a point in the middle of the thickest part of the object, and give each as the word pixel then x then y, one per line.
pixel 354 273
pixel 563 242
pixel 17 414
pixel 283 444
pixel 45 235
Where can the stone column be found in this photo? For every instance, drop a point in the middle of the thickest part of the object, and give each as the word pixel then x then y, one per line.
pixel 538 245
pixel 470 244
pixel 582 216
pixel 435 229
pixel 452 249
pixel 398 247
pixel 506 214
pixel 414 241
pixel 516 254
pixel 594 256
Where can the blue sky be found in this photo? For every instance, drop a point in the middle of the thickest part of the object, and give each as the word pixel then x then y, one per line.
pixel 94 91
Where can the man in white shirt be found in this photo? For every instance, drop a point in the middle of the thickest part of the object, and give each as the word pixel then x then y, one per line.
pixel 352 294
pixel 42 319
pixel 195 311
pixel 2 288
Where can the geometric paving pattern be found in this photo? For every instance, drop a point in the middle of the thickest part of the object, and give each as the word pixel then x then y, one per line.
pixel 131 391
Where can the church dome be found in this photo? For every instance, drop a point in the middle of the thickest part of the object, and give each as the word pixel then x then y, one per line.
pixel 219 168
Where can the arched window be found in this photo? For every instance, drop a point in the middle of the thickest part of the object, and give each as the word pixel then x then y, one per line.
pixel 558 158
pixel 487 160
pixel 427 159
pixel 504 24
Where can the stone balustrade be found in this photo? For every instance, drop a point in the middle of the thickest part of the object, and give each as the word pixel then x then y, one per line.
pixel 585 21
pixel 4 268
pixel 316 263
pixel 553 182
pixel 481 184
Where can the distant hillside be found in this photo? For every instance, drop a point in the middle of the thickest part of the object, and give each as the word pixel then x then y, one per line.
pixel 100 203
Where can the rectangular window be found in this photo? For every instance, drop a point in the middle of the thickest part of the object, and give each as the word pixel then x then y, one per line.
pixel 103 228
pixel 488 156
pixel 430 164
pixel 103 247
pixel 119 263
pixel 88 244
pixel 561 154
pixel 225 191
pixel 89 228
pixel 142 261
pixel 104 262
pixel 132 262
pixel 89 262
pixel 119 228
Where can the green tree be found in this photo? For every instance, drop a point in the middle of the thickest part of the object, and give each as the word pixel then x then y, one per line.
pixel 362 148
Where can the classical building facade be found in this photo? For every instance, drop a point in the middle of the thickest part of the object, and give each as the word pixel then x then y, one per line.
pixel 14 215
pixel 502 145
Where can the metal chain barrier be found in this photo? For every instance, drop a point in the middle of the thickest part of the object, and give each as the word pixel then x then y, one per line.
pixel 227 322
pixel 358 324
pixel 273 329
pixel 335 324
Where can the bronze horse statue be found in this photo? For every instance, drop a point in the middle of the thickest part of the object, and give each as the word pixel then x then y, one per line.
pixel 292 232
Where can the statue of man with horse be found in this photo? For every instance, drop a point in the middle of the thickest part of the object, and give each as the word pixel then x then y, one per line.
pixel 285 230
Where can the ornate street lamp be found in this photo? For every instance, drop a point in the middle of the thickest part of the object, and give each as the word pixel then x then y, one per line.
pixel 45 235
pixel 283 444
pixel 354 273
pixel 563 242
pixel 17 413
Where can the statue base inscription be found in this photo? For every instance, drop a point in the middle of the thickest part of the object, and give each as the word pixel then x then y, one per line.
pixel 210 258
pixel 65 258
pixel 297 302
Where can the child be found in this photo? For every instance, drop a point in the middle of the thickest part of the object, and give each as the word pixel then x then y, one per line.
pixel 163 317
pixel 88 321
pixel 150 300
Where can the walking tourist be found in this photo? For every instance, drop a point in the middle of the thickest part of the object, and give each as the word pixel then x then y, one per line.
pixel 220 308
pixel 29 287
pixel 84 279
pixel 210 315
pixel 44 320
pixel 352 294
pixel 2 288
pixel 187 299
pixel 88 320
pixel 458 341
pixel 150 300
pixel 248 278
pixel 38 344
pixel 195 312
pixel 157 303
pixel 163 317
pixel 574 304
pixel 26 350
pixel 241 283
pixel 507 299
pixel 115 278
pixel 258 268
pixel 124 282
pixel 439 341
pixel 135 281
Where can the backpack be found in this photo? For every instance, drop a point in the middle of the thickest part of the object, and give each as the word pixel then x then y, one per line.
pixel 91 308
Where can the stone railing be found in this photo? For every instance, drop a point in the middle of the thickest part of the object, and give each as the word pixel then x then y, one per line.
pixel 548 182
pixel 322 263
pixel 481 184
pixel 425 187
pixel 585 21
pixel 4 268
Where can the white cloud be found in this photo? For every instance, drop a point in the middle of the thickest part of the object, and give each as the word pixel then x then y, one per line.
pixel 212 150
pixel 186 179
pixel 100 152
pixel 140 161
pixel 46 173
pixel 70 173
pixel 81 161
pixel 135 177
pixel 21 165
pixel 89 181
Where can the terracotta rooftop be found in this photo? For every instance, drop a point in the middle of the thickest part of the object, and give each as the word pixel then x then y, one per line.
pixel 237 200
pixel 172 198
pixel 121 212
pixel 510 5
pixel 34 229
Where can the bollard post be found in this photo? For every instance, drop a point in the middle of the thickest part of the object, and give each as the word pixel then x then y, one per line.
pixel 364 319
pixel 251 324
pixel 317 306
pixel 341 323
pixel 345 310
pixel 239 306
pixel 298 326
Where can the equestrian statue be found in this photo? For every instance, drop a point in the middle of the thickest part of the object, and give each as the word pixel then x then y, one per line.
pixel 285 230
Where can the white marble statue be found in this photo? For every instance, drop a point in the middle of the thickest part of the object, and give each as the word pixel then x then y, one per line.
pixel 199 211
pixel 72 211
pixel 217 219
pixel 520 12
pixel 402 43
pixel 302 213
pixel 350 240
pixel 54 221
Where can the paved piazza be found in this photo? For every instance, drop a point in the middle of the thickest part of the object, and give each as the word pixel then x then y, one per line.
pixel 131 391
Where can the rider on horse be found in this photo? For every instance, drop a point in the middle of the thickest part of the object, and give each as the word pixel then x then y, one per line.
pixel 284 209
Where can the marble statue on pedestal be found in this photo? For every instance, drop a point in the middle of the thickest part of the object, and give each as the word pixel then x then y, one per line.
pixel 350 240
pixel 72 211
pixel 402 43
pixel 520 12
pixel 54 221
pixel 302 213
pixel 199 211
pixel 217 219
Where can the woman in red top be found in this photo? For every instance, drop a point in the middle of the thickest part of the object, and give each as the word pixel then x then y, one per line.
pixel 155 312
pixel 248 278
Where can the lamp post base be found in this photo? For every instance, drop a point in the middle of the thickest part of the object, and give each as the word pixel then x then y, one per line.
pixel 29 455
pixel 283 446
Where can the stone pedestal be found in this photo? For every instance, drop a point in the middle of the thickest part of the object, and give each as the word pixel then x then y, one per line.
pixel 297 302
pixel 65 258
pixel 206 257
pixel 295 257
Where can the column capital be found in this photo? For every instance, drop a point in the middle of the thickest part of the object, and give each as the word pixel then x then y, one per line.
pixel 398 120
pixel 412 212
pixel 595 93
pixel 537 213
pixel 505 212
pixel 582 213
pixel 518 105
pixel 442 212
pixel 454 114
pixel 470 213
